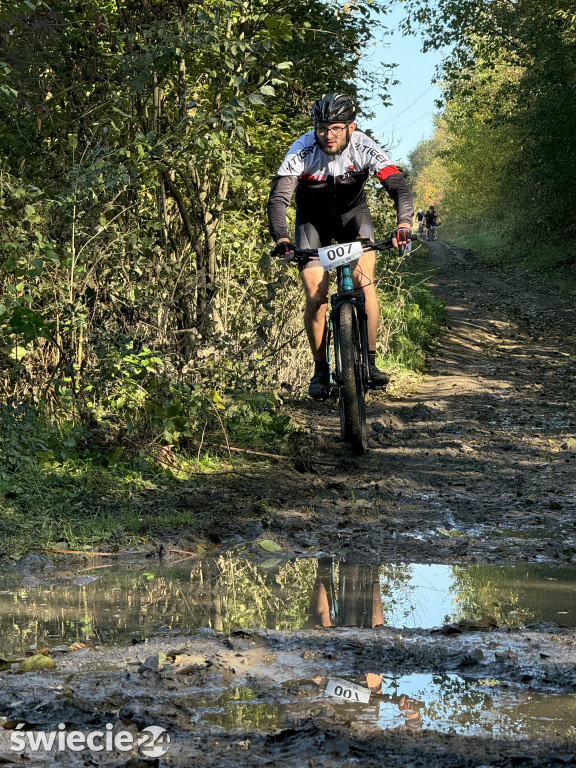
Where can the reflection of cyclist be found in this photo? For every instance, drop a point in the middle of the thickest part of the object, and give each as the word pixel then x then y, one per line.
pixel 410 708
pixel 329 167
pixel 322 600
pixel 356 603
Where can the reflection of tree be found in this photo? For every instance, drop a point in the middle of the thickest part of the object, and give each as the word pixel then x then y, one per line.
pixel 237 709
pixel 232 591
pixel 219 592
pixel 455 701
pixel 514 595
pixel 451 703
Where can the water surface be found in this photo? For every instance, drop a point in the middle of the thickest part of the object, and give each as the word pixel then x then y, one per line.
pixel 120 602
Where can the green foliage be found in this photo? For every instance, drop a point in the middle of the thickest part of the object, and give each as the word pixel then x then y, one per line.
pixel 411 316
pixel 254 419
pixel 138 147
pixel 507 128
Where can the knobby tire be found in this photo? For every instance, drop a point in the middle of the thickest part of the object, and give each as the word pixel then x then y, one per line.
pixel 352 404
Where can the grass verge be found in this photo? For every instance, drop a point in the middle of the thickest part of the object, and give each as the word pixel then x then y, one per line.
pixel 555 263
pixel 70 487
pixel 411 317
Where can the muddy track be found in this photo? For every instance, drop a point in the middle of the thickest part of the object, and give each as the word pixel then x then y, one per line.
pixel 489 448
pixel 476 465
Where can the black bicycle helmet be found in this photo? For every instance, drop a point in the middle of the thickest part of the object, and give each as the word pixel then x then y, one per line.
pixel 334 108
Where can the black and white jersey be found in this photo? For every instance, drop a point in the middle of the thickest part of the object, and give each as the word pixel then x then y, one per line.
pixel 328 186
pixel 431 218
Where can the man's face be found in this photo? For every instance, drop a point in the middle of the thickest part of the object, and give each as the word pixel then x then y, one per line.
pixel 332 137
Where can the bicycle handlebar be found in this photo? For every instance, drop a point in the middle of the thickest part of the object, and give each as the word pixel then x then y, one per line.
pixel 303 255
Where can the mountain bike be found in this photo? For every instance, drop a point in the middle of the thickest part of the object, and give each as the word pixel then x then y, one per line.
pixel 347 338
pixel 432 231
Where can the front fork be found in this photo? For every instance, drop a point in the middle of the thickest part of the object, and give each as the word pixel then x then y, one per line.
pixel 337 300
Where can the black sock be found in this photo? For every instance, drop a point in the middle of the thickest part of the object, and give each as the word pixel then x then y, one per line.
pixel 320 366
pixel 371 357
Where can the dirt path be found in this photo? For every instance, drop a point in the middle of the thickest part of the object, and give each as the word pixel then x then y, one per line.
pixel 477 465
pixel 490 446
pixel 486 446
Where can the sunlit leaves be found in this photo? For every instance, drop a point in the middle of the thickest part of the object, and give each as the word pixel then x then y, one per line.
pixel 143 140
pixel 510 110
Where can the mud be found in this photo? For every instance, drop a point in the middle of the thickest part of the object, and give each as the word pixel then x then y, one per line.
pixel 476 466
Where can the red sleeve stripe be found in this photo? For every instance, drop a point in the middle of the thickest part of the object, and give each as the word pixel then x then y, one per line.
pixel 388 170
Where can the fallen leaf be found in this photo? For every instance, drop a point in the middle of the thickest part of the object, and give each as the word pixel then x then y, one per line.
pixel 78 646
pixel 269 545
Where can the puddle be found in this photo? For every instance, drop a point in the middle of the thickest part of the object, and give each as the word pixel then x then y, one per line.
pixel 445 703
pixel 113 605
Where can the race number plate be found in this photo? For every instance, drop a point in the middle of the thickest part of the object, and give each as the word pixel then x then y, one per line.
pixel 342 689
pixel 335 255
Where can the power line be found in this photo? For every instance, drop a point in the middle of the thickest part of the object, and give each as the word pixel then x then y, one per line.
pixel 415 121
pixel 391 119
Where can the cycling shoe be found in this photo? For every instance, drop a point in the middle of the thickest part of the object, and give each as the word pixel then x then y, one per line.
pixel 319 387
pixel 378 379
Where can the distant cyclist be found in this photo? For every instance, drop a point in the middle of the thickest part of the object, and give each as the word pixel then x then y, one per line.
pixel 420 222
pixel 329 167
pixel 432 221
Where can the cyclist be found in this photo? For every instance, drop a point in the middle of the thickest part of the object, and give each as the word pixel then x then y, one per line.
pixel 432 221
pixel 420 220
pixel 328 167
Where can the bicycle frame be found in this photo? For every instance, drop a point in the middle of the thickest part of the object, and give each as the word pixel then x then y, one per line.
pixel 345 293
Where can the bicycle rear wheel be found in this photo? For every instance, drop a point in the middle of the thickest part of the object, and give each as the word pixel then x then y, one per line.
pixel 352 404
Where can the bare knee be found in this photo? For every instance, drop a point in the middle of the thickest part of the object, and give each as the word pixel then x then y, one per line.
pixel 316 302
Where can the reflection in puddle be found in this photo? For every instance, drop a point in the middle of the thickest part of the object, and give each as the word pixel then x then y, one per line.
pixel 116 604
pixel 445 703
pixel 238 708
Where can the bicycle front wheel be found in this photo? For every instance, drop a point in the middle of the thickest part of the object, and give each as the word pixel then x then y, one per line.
pixel 352 405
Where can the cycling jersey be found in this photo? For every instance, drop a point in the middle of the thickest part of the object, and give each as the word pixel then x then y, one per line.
pixel 431 219
pixel 328 186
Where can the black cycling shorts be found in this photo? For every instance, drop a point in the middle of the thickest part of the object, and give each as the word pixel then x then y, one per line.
pixel 343 228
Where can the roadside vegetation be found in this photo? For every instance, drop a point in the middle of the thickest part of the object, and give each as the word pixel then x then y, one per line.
pixel 146 337
pixel 411 317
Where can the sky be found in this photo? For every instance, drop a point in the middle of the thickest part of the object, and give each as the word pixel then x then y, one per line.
pixel 409 119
